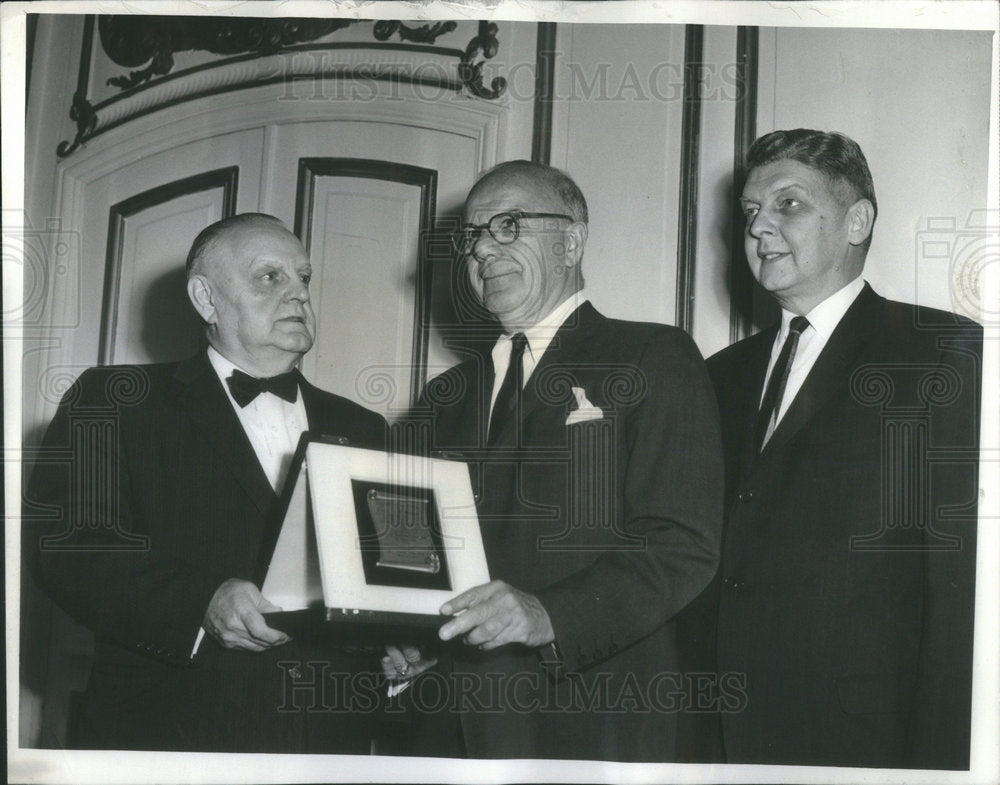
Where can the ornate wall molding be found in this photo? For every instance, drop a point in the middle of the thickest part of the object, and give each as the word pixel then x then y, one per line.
pixel 248 52
pixel 135 40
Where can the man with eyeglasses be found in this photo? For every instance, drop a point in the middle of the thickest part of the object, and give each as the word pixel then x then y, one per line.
pixel 595 454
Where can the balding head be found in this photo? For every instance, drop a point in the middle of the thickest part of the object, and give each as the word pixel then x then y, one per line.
pixel 551 187
pixel 248 278
pixel 212 240
pixel 525 231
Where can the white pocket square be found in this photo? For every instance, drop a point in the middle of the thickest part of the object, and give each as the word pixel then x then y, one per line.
pixel 585 410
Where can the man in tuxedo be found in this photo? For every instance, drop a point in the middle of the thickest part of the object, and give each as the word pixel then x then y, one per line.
pixel 158 487
pixel 845 593
pixel 594 450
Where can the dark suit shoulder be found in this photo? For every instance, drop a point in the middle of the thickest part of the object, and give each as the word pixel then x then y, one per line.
pixel 453 386
pixel 334 415
pixel 737 360
pixel 922 323
pixel 118 385
pixel 466 368
pixel 456 380
pixel 737 352
pixel 647 332
pixel 607 339
pixel 346 407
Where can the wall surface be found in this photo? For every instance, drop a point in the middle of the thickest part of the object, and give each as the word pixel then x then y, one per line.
pixel 616 129
pixel 917 101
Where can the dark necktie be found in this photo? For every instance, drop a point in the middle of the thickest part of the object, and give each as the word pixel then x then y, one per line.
pixel 245 387
pixel 506 405
pixel 771 404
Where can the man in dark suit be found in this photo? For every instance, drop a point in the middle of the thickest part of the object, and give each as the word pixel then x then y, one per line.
pixel 845 592
pixel 161 481
pixel 596 463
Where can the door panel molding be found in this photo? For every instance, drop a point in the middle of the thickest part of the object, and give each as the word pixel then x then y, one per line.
pixel 119 214
pixel 426 180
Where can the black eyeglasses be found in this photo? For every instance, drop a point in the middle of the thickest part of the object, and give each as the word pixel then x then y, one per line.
pixel 503 227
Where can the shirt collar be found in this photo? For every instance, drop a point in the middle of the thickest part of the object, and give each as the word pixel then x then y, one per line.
pixel 540 335
pixel 224 367
pixel 825 317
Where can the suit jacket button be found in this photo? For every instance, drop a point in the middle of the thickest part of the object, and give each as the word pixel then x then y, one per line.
pixel 745 496
pixel 477 497
pixel 732 583
pixel 342 440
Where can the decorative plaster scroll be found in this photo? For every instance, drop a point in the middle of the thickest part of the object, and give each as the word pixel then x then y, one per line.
pixel 265 51
pixel 134 40
pixel 292 69
pixel 471 72
pixel 426 34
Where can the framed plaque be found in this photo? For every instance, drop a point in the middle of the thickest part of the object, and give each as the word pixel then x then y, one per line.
pixel 370 539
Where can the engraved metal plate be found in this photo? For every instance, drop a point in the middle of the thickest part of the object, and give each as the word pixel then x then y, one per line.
pixel 402 525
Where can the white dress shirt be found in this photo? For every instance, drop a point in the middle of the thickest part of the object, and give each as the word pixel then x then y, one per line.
pixel 273 426
pixel 823 320
pixel 539 337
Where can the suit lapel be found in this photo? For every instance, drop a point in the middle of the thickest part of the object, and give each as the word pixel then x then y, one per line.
pixel 318 416
pixel 205 402
pixel 463 421
pixel 571 346
pixel 474 419
pixel 749 399
pixel 833 366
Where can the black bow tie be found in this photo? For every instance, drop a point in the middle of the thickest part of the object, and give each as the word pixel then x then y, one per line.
pixel 245 387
